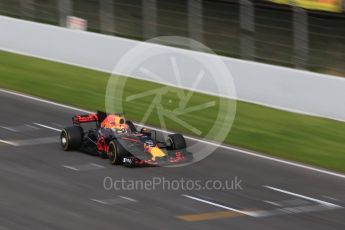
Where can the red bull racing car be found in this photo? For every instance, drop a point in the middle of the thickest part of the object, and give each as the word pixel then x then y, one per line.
pixel 112 136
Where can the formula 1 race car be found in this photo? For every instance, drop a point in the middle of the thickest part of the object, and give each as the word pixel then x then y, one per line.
pixel 112 136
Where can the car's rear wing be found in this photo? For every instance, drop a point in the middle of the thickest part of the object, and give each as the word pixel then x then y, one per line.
pixel 85 118
pixel 92 117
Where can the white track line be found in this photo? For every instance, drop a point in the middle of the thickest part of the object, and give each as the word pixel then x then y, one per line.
pixel 304 197
pixel 31 126
pixel 271 203
pixel 70 167
pixel 42 100
pixel 97 165
pixel 8 142
pixel 252 214
pixel 99 201
pixel 331 198
pixel 257 155
pixel 273 159
pixel 128 198
pixel 9 129
pixel 37 141
pixel 172 85
pixel 47 127
pixel 120 200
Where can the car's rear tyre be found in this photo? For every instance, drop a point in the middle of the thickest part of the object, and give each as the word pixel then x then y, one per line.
pixel 176 141
pixel 116 153
pixel 71 138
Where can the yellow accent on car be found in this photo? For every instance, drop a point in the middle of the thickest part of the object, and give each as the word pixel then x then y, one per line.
pixel 156 152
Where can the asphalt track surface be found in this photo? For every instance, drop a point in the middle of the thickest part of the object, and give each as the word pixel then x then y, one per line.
pixel 43 187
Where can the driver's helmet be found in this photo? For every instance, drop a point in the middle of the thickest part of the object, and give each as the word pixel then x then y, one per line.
pixel 115 122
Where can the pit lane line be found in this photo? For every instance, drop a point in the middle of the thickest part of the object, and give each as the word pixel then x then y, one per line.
pixel 8 128
pixel 47 127
pixel 114 201
pixel 328 204
pixel 252 214
pixel 232 212
pixel 8 142
pixel 20 128
pixel 22 142
pixel 70 167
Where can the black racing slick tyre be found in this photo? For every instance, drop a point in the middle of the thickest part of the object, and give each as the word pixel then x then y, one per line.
pixel 71 138
pixel 176 141
pixel 116 153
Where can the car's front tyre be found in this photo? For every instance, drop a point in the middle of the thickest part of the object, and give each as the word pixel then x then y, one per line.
pixel 116 152
pixel 176 141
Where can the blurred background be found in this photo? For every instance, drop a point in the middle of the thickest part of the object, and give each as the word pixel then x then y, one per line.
pixel 306 35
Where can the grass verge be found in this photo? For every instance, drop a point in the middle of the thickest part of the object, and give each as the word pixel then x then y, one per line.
pixel 306 139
